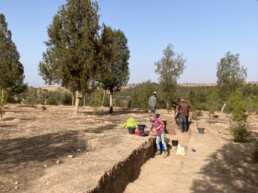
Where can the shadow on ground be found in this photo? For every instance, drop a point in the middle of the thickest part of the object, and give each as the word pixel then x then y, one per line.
pixel 101 129
pixel 116 112
pixel 229 170
pixel 37 149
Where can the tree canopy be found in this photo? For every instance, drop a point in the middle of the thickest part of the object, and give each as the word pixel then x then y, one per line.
pixel 169 68
pixel 114 56
pixel 230 75
pixel 71 55
pixel 11 69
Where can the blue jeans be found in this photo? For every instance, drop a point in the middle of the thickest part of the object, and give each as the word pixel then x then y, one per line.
pixel 162 138
pixel 183 124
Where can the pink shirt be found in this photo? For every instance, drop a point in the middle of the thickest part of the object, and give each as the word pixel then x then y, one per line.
pixel 155 124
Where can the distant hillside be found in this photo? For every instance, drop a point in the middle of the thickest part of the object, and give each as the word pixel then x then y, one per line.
pixel 59 88
pixel 185 85
pixel 54 88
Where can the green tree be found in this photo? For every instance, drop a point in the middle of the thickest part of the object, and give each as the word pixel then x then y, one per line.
pixel 11 69
pixel 169 68
pixel 15 92
pixel 230 76
pixel 71 55
pixel 114 56
pixel 138 96
pixel 236 106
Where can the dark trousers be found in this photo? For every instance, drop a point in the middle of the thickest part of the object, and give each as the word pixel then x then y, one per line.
pixel 187 123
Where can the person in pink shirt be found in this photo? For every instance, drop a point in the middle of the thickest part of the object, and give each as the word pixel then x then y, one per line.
pixel 158 127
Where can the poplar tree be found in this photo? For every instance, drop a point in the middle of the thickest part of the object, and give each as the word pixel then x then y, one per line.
pixel 71 56
pixel 11 69
pixel 114 56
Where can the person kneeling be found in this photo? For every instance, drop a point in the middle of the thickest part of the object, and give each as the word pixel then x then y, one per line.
pixel 131 125
pixel 158 127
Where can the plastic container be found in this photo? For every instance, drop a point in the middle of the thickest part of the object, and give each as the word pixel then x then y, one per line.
pixel 161 146
pixel 175 143
pixel 131 130
pixel 142 127
pixel 201 130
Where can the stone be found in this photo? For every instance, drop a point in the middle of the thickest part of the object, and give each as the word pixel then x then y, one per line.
pixel 16 183
pixel 70 156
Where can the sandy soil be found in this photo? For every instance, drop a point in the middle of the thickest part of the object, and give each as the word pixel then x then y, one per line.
pixel 36 148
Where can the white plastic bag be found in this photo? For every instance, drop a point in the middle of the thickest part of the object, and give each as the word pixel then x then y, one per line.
pixel 181 150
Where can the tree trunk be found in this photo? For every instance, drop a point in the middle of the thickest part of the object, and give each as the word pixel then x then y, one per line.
pixel 73 99
pixel 223 107
pixel 167 104
pixel 111 102
pixel 84 100
pixel 78 96
pixel 104 95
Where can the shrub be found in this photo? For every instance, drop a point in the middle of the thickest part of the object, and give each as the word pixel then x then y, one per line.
pixel 43 108
pixel 52 101
pixel 239 132
pixel 236 106
pixel 96 98
pixel 255 153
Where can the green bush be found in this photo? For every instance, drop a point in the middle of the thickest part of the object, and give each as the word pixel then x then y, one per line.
pixel 67 99
pixel 96 98
pixel 52 101
pixel 236 106
pixel 239 132
pixel 255 153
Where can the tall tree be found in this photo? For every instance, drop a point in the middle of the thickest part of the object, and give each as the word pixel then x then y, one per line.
pixel 169 68
pixel 11 69
pixel 230 76
pixel 71 55
pixel 114 56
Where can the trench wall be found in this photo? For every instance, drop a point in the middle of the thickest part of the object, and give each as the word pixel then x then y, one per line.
pixel 116 180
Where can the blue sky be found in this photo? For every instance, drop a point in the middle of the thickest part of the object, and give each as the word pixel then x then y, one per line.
pixel 202 30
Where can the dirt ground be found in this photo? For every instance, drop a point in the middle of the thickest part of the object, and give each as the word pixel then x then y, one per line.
pixel 213 163
pixel 36 147
pixel 55 151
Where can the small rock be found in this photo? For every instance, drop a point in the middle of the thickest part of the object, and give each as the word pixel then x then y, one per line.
pixel 78 150
pixel 16 188
pixel 45 165
pixel 70 156
pixel 16 183
pixel 58 162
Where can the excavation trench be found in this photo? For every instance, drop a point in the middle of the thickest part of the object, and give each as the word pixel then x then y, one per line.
pixel 126 171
